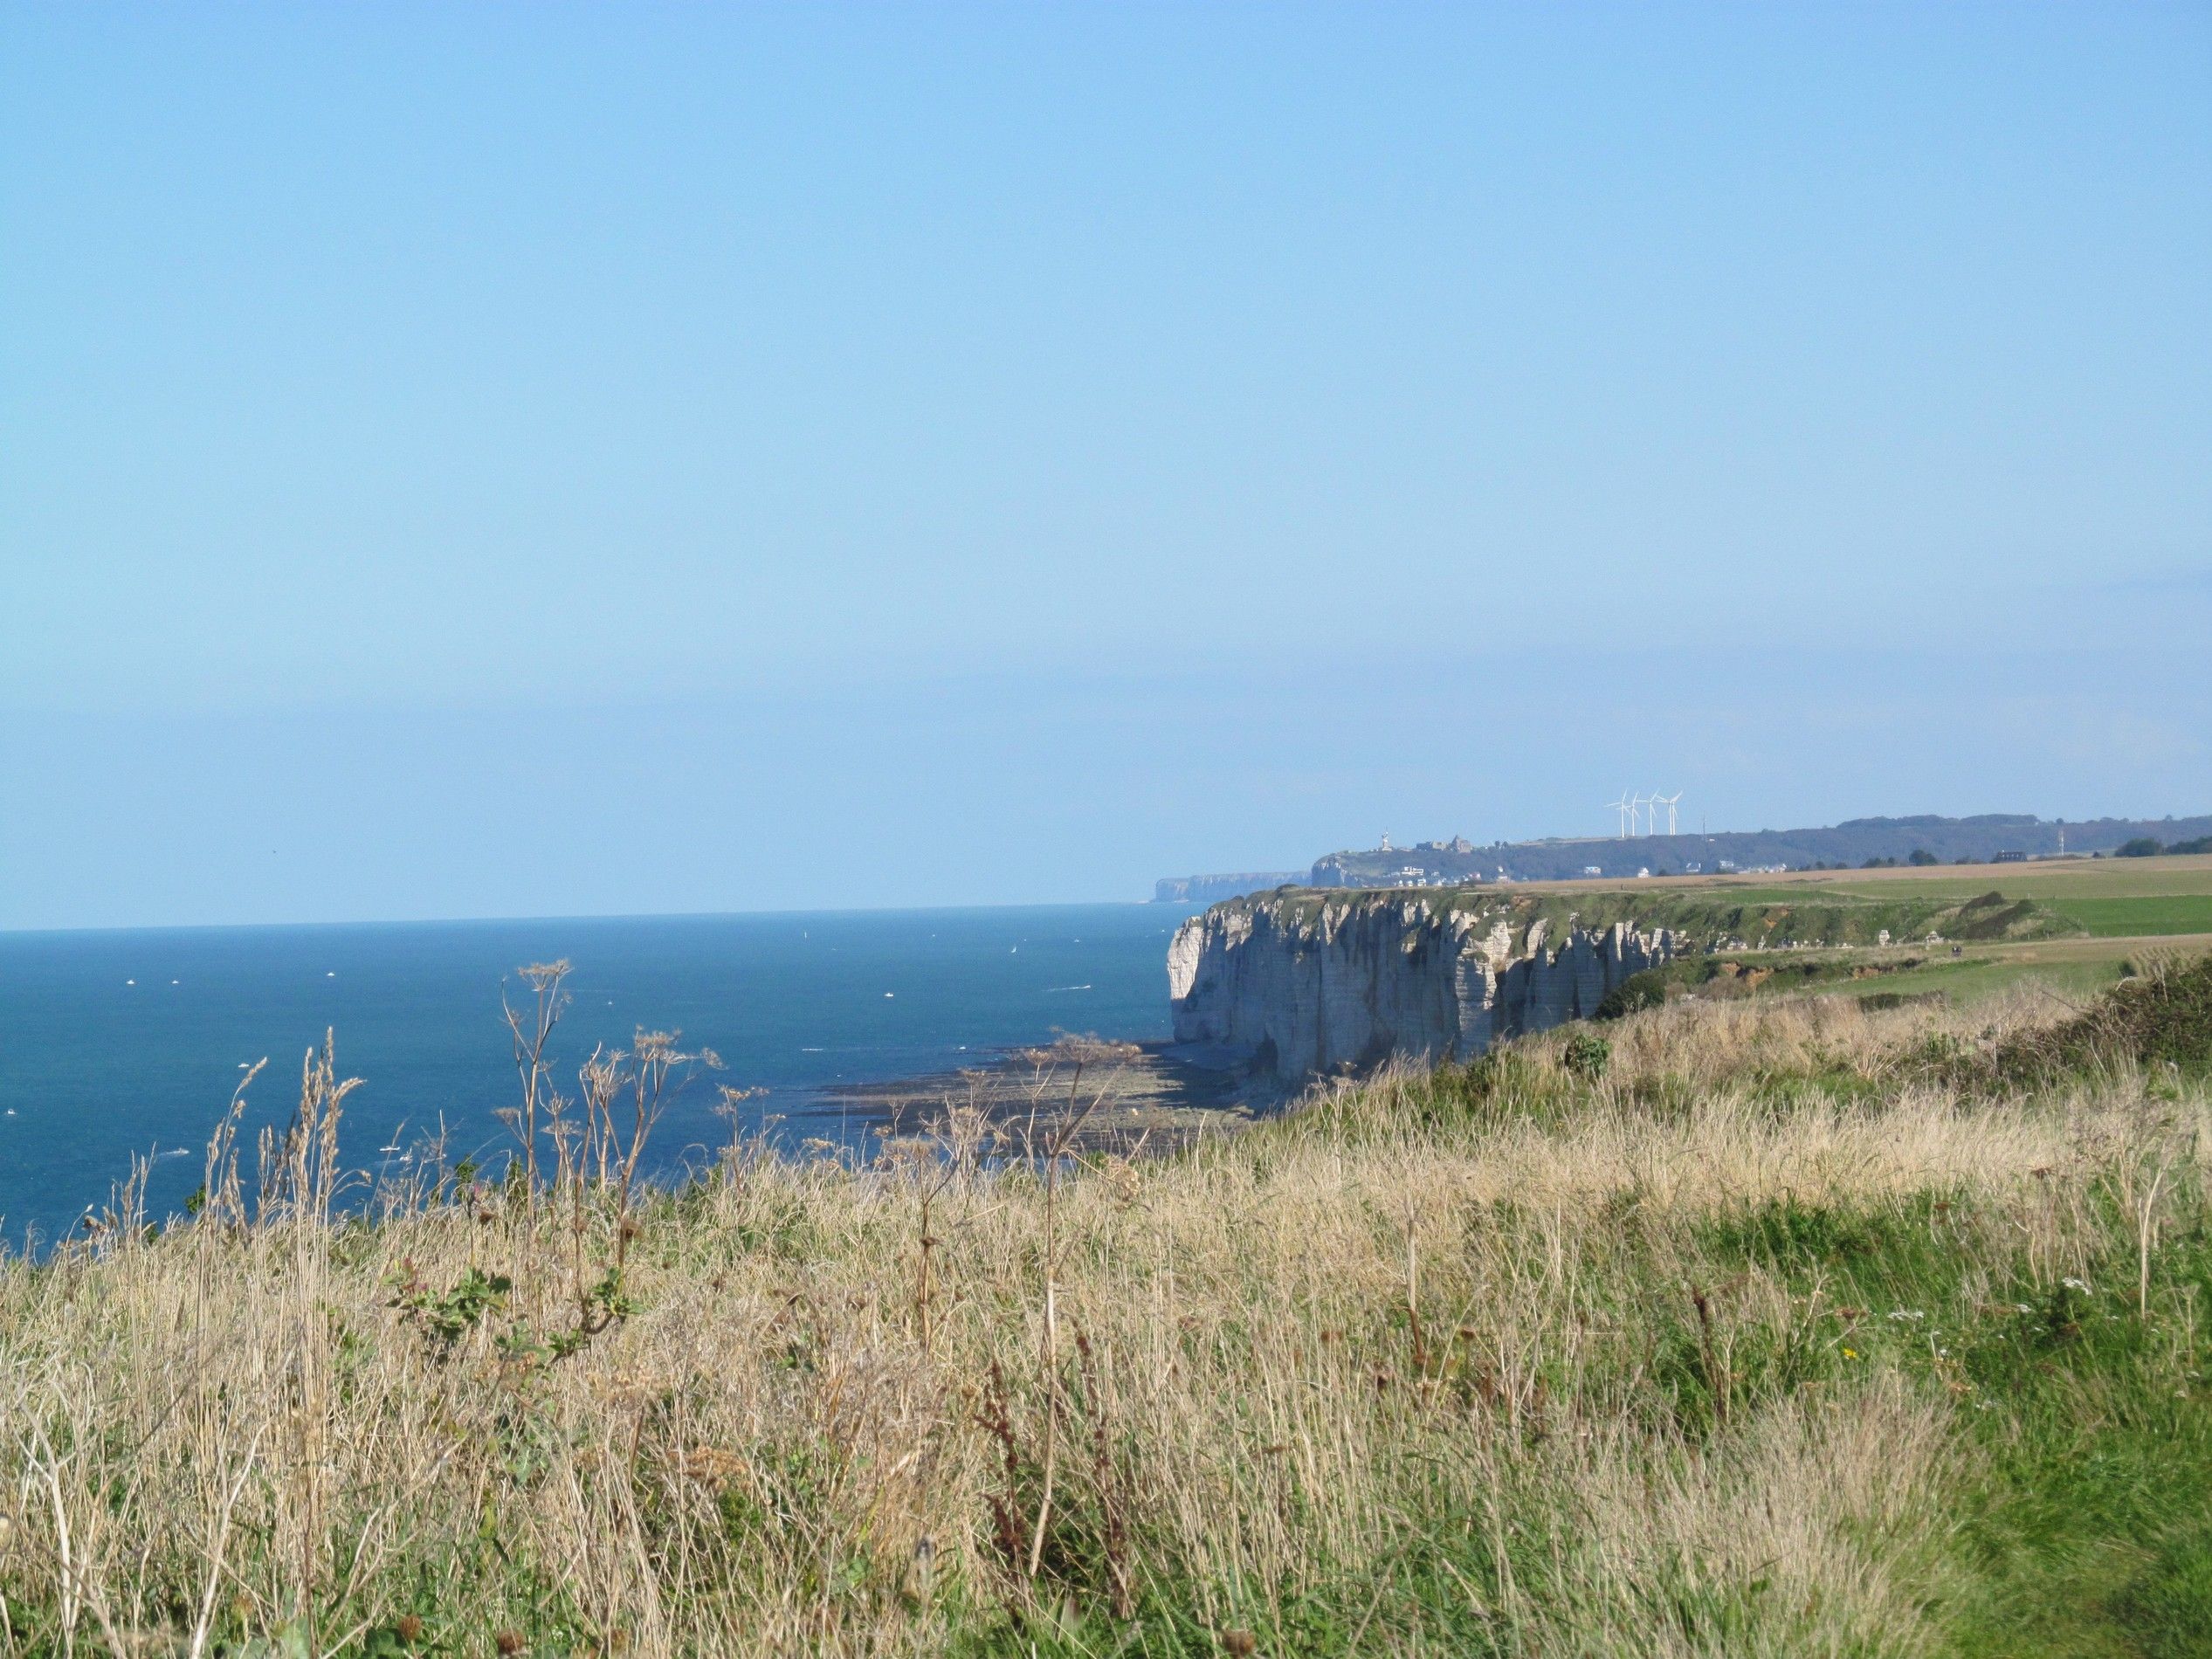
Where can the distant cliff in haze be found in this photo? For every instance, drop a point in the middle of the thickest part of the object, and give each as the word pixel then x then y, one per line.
pixel 1211 889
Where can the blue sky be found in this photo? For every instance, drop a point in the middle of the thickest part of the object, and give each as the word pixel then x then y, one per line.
pixel 472 460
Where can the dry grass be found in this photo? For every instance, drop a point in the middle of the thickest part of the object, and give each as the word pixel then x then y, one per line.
pixel 1357 1381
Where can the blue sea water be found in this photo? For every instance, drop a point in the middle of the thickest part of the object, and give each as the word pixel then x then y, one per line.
pixel 119 1043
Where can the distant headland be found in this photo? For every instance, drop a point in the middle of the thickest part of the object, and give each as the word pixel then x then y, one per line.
pixel 1925 837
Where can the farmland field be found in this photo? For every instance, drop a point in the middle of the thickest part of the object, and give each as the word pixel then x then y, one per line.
pixel 2120 910
pixel 2093 877
pixel 2110 898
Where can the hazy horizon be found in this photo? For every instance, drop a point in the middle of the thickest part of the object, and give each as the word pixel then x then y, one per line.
pixel 492 919
pixel 478 464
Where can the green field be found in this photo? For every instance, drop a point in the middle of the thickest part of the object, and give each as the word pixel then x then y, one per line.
pixel 2105 897
pixel 2102 916
pixel 1975 979
pixel 2138 918
pixel 2136 895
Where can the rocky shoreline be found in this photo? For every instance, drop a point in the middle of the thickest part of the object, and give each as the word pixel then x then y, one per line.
pixel 1125 1096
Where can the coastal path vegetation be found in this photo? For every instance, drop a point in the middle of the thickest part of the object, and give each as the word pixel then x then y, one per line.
pixel 1767 1325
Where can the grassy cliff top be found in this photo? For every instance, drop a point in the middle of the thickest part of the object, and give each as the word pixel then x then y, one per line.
pixel 1793 916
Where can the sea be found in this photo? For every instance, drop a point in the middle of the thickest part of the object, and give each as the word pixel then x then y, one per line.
pixel 123 1044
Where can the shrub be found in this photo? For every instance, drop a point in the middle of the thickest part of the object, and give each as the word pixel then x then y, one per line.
pixel 1921 856
pixel 1644 990
pixel 2160 1016
pixel 1879 1001
pixel 1587 1055
pixel 2141 847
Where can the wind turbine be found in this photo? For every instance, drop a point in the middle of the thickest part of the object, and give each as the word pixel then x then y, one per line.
pixel 1636 815
pixel 1621 805
pixel 1668 801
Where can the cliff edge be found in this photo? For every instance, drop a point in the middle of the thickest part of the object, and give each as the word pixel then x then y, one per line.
pixel 1304 988
pixel 1299 982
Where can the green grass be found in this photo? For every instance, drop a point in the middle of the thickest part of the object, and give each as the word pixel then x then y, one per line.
pixel 1972 977
pixel 2084 1425
pixel 2076 1525
pixel 2088 878
pixel 1809 915
pixel 2061 887
pixel 1971 980
pixel 2106 898
pixel 2136 918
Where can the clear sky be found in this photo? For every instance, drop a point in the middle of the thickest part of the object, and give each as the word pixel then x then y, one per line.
pixel 472 460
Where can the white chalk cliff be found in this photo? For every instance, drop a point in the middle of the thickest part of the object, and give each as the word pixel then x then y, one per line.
pixel 1296 985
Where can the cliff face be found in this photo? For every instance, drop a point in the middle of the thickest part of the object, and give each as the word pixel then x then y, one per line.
pixel 1302 985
